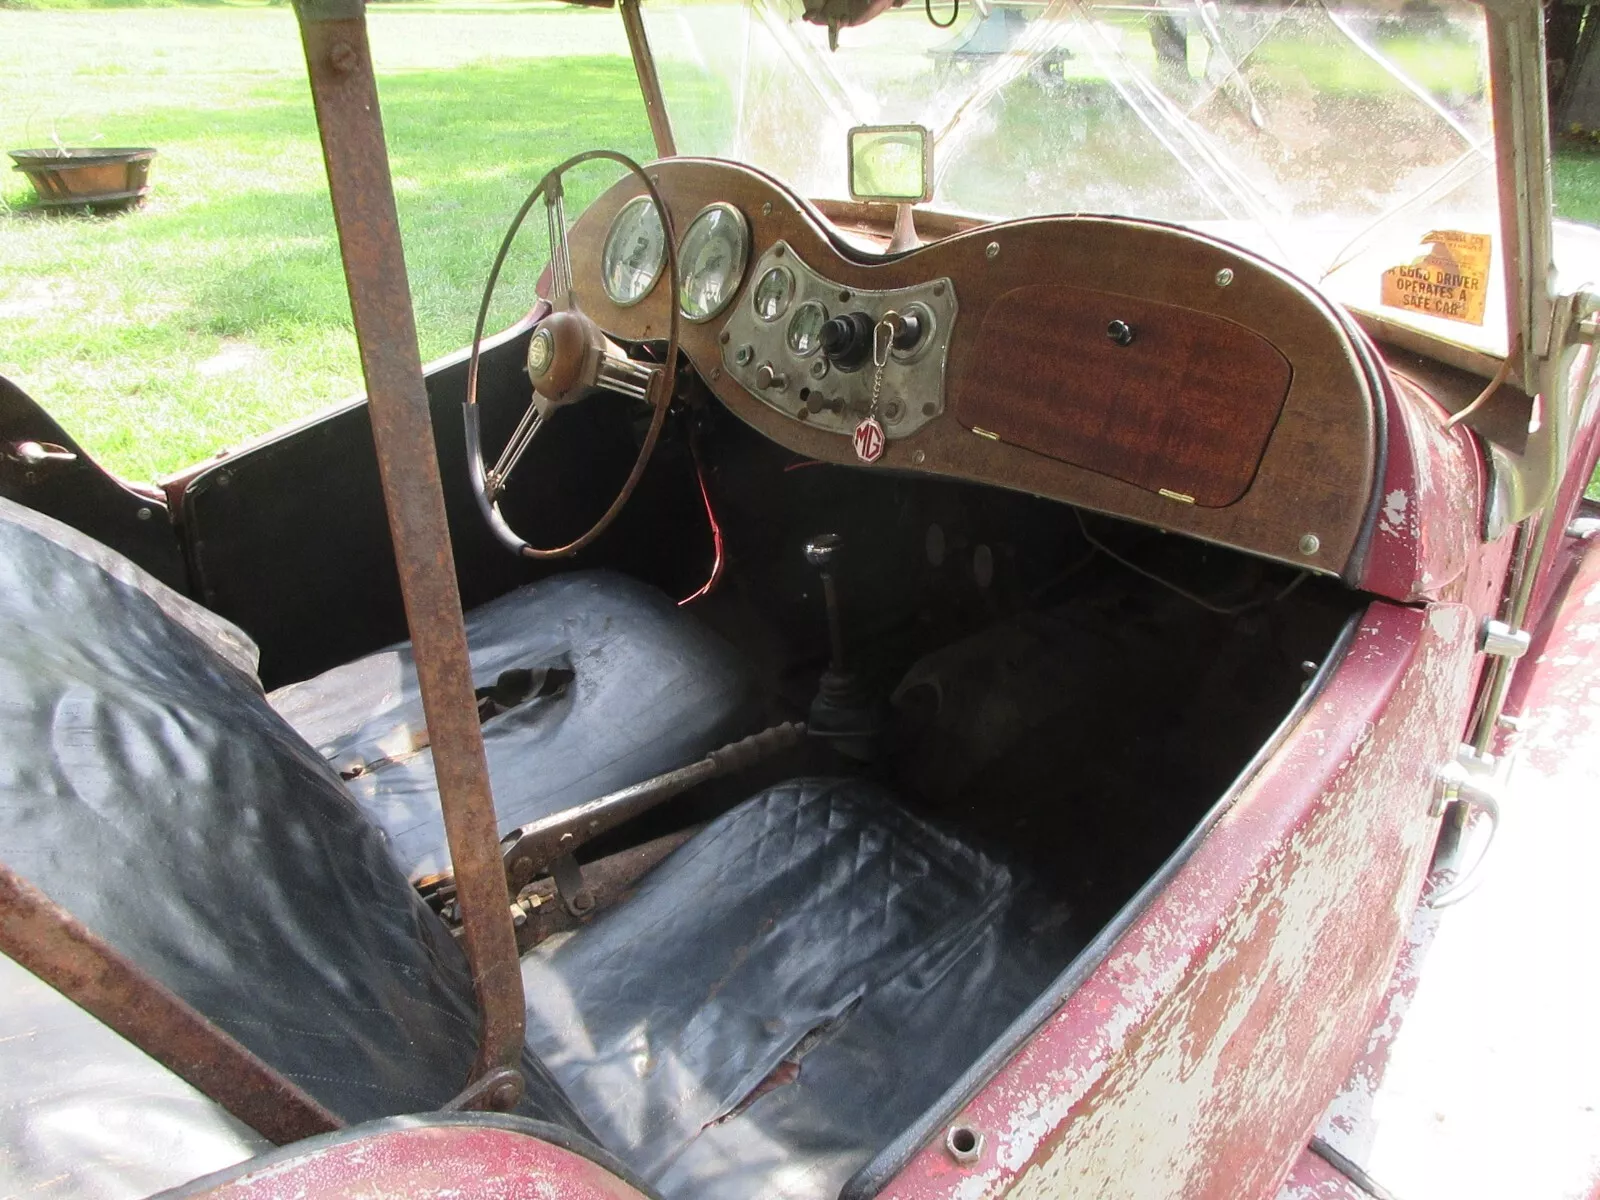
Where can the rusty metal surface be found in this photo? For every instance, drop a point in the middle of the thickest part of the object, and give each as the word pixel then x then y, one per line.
pixel 1197 1057
pixel 532 848
pixel 644 66
pixel 609 881
pixel 339 62
pixel 423 1159
pixel 44 938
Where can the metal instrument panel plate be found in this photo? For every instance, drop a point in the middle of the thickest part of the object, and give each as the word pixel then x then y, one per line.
pixel 770 346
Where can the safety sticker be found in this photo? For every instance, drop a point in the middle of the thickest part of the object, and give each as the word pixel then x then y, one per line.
pixel 1450 280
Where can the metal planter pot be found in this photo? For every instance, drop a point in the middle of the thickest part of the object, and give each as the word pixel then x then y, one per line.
pixel 104 178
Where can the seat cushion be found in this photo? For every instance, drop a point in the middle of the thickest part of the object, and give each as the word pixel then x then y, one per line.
pixel 147 787
pixel 632 686
pixel 787 992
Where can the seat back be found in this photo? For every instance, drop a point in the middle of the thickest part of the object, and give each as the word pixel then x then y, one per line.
pixel 148 788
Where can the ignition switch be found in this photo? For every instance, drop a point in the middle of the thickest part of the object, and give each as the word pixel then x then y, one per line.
pixel 847 339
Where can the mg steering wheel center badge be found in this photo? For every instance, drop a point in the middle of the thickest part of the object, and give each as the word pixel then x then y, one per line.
pixel 541 350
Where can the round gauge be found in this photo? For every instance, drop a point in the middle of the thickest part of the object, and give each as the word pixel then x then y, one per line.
pixel 711 259
pixel 635 251
pixel 773 293
pixel 805 328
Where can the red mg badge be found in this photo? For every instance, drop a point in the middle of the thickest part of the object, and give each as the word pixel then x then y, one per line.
pixel 869 440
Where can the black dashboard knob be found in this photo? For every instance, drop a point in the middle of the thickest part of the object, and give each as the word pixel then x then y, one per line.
pixel 847 339
pixel 1120 332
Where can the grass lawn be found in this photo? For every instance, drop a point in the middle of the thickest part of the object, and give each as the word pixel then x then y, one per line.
pixel 218 311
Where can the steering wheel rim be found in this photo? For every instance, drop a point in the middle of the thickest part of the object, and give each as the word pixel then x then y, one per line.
pixel 657 392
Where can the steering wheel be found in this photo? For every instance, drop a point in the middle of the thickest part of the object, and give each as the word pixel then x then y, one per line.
pixel 569 356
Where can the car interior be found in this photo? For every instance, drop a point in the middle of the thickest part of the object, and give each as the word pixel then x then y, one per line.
pixel 1036 644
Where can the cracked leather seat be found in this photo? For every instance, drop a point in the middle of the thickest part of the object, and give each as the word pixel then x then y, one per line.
pixel 592 681
pixel 770 1007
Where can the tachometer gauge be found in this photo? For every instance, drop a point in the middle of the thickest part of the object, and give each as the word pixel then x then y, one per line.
pixel 711 259
pixel 773 293
pixel 635 251
pixel 805 328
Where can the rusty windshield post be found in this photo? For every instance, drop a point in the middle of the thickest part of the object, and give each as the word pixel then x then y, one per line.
pixel 38 934
pixel 344 90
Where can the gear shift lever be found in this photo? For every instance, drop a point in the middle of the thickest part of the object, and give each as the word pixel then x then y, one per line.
pixel 819 553
pixel 844 711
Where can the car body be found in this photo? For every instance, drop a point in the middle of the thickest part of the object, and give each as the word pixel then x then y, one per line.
pixel 1217 528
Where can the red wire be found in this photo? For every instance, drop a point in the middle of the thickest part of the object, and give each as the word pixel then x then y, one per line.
pixel 716 530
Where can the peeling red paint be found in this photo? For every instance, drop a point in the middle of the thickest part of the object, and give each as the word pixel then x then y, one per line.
pixel 1196 1059
pixel 1429 506
pixel 1313 1179
pixel 439 1162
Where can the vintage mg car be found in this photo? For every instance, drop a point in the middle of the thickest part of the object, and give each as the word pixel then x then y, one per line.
pixel 941 661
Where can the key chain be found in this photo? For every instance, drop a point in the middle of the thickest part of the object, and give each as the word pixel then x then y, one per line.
pixel 869 439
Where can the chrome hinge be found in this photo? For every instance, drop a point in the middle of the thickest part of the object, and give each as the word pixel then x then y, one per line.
pixel 1501 641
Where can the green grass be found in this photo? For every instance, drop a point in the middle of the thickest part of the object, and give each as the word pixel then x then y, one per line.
pixel 218 311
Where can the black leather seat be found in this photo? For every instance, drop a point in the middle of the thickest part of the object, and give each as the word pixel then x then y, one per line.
pixel 790 990
pixel 769 1008
pixel 617 684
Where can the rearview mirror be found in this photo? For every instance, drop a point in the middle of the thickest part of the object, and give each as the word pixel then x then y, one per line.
pixel 892 163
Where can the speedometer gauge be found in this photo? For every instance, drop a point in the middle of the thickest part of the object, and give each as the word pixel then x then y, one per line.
pixel 636 248
pixel 711 260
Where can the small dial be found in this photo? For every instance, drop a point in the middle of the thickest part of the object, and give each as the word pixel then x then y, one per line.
pixel 773 293
pixel 805 328
pixel 635 251
pixel 711 259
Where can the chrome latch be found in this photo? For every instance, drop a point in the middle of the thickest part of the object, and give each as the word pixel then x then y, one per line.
pixel 1501 641
pixel 1583 528
pixel 1471 782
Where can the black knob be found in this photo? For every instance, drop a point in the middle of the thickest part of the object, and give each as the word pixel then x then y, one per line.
pixel 1120 332
pixel 847 339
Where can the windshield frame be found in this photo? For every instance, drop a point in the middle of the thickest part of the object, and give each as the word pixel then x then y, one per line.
pixel 1521 139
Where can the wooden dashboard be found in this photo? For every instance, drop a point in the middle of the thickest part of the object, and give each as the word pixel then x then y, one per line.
pixel 1237 409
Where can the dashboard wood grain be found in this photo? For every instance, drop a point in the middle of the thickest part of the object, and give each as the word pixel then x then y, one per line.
pixel 1184 403
pixel 1313 476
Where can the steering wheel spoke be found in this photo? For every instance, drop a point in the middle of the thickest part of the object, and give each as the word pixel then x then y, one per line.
pixel 521 438
pixel 560 253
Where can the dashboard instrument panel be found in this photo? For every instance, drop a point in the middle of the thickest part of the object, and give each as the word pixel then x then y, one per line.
pixel 1125 366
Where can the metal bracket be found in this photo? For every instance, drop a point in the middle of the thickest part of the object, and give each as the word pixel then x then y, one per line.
pixel 1499 640
pixel 1471 782
pixel 575 897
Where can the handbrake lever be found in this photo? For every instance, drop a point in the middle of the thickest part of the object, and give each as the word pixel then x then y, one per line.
pixel 548 844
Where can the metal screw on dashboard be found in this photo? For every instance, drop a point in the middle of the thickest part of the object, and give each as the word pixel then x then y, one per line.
pixel 992 250
pixel 819 369
pixel 1225 277
pixel 1310 543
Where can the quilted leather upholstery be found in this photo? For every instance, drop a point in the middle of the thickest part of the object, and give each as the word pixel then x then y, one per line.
pixel 785 994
